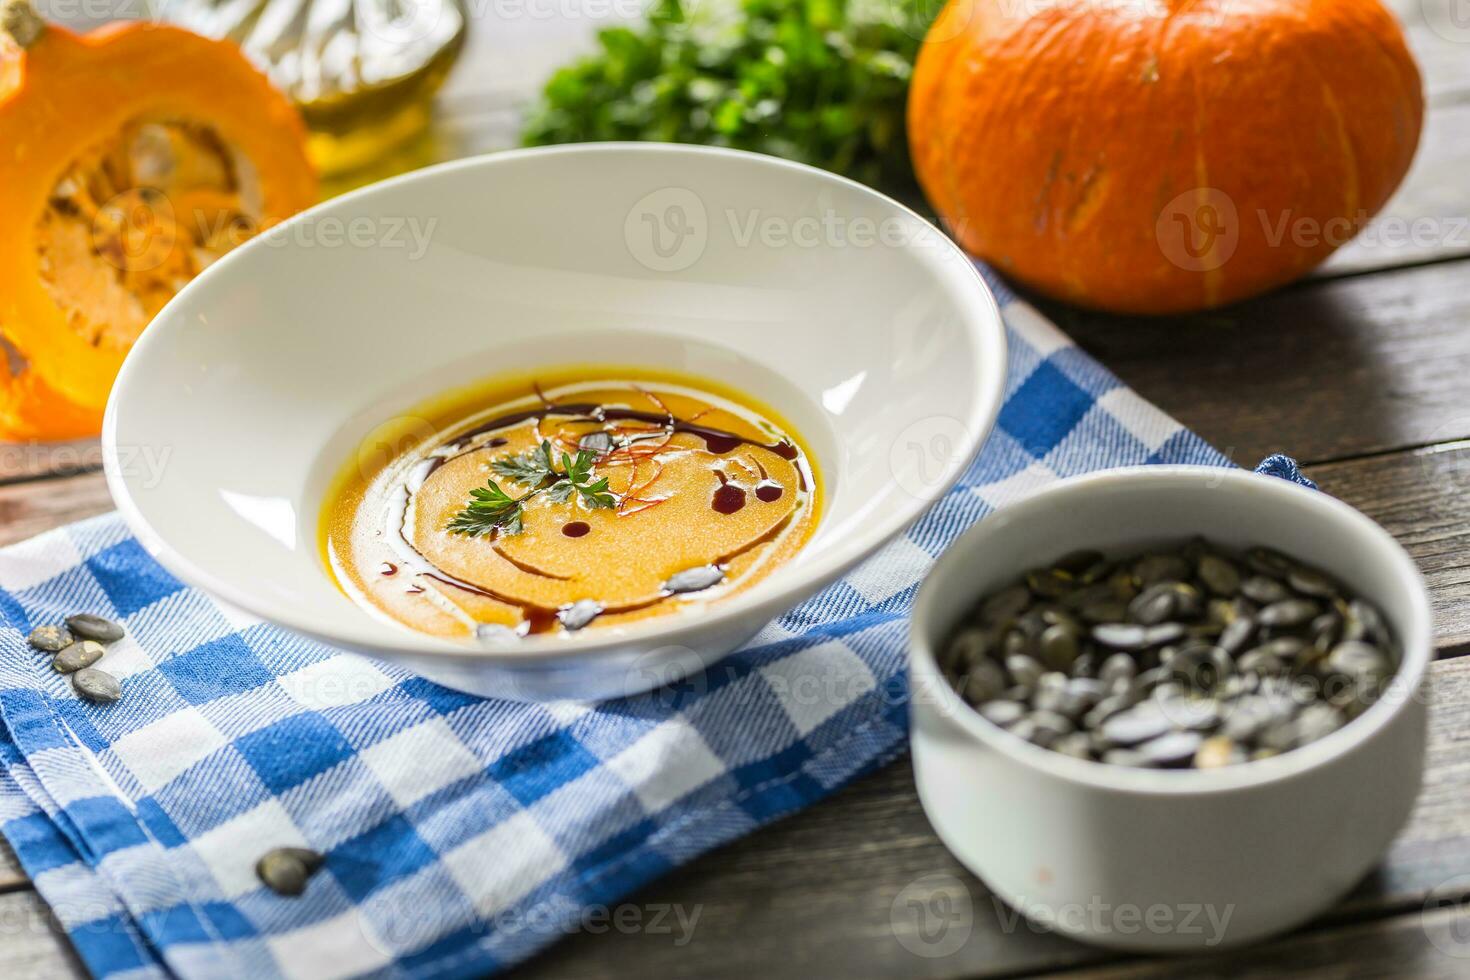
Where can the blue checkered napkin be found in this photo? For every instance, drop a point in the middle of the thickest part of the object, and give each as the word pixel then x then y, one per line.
pixel 460 834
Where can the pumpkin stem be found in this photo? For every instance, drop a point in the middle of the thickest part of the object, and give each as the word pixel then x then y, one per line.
pixel 20 20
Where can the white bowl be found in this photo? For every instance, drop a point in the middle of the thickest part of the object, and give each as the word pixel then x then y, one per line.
pixel 844 311
pixel 1218 857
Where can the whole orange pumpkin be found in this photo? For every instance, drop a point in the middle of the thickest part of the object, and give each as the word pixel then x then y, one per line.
pixel 1157 156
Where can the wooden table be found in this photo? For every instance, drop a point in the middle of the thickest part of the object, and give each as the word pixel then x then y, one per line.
pixel 1362 372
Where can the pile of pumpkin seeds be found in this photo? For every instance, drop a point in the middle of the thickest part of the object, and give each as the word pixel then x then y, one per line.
pixel 1192 656
pixel 75 647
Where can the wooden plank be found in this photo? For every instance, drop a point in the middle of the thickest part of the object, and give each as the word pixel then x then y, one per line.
pixel 1437 33
pixel 1320 371
pixel 817 892
pixel 27 509
pixel 29 460
pixel 31 946
pixel 1423 499
pixel 1428 219
pixel 1428 946
pixel 11 877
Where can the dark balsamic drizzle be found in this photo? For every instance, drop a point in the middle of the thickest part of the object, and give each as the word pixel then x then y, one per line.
pixel 574 616
pixel 528 568
pixel 717 441
pixel 728 498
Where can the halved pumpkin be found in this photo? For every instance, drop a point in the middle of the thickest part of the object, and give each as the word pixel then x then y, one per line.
pixel 130 159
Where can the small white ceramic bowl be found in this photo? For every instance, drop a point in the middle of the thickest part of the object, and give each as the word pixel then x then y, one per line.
pixel 1169 860
pixel 842 310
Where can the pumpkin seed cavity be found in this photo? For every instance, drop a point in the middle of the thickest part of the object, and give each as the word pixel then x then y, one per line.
pixel 132 221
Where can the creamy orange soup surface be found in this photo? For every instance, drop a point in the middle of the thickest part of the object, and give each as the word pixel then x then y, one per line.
pixel 570 502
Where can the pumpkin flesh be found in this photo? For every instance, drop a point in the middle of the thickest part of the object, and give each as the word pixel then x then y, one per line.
pixel 132 158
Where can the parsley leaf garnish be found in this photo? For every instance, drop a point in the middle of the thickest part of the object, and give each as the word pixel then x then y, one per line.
pixel 490 508
pixel 530 467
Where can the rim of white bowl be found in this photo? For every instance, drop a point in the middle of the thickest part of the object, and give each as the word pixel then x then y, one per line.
pixel 1416 639
pixel 767 598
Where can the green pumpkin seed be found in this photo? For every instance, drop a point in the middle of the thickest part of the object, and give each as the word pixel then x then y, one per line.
pixel 1002 713
pixel 1261 661
pixel 1137 724
pixel 982 682
pixel 1358 660
pixel 1171 750
pixel 285 870
pixel 968 648
pixel 1264 590
pixel 1121 636
pixel 1117 667
pixel 1265 561
pixel 1077 745
pixel 89 627
pixel 1289 612
pixel 1310 582
pixel 83 653
pixel 1006 604
pixel 1059 646
pixel 1219 575
pixel 1235 636
pixel 1049 726
pixel 1025 671
pixel 51 639
pixel 1154 604
pixel 96 686
pixel 1152 569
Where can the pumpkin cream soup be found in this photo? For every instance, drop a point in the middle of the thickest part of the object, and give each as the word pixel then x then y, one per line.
pixel 571 502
